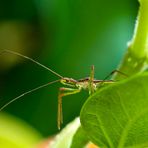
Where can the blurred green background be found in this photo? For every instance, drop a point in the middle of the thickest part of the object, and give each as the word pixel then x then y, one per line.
pixel 66 35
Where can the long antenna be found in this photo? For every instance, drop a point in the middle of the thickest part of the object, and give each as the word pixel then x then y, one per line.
pixel 34 61
pixel 28 92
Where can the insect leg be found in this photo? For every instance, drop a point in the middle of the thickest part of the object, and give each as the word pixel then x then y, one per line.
pixel 63 92
pixel 113 72
pixel 91 88
pixel 111 81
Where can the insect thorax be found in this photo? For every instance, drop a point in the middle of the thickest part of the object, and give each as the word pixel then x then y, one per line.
pixel 85 84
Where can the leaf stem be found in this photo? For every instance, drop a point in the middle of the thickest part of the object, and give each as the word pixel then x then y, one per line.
pixel 135 59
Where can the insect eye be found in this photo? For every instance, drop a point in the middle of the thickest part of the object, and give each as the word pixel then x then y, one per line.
pixel 64 81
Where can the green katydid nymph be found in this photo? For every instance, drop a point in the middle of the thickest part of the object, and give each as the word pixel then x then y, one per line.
pixel 72 86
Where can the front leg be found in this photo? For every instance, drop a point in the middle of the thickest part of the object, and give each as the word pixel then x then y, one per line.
pixel 64 92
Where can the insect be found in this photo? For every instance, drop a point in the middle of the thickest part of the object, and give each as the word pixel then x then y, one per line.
pixel 73 86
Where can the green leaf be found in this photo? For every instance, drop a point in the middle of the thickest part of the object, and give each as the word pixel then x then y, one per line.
pixel 117 115
pixel 64 138
pixel 80 139
pixel 138 45
pixel 15 133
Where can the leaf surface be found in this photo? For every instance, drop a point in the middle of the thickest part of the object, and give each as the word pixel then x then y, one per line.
pixel 117 115
pixel 80 139
pixel 64 138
